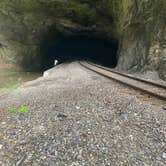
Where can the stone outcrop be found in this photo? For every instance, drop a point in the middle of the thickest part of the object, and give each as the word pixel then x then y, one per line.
pixel 138 25
pixel 143 41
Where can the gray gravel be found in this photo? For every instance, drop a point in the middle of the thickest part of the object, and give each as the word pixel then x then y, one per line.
pixel 77 117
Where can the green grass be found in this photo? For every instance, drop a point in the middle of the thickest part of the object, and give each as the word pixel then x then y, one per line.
pixel 21 109
pixel 13 110
pixel 9 86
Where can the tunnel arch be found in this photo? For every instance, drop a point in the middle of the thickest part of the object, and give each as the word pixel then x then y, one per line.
pixel 67 48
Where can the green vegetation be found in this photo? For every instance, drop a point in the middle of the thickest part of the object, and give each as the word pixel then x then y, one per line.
pixel 9 87
pixel 21 109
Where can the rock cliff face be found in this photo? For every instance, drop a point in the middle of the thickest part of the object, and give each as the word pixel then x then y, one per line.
pixel 143 36
pixel 138 25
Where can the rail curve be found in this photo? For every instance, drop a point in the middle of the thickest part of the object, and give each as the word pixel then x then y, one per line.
pixel 149 87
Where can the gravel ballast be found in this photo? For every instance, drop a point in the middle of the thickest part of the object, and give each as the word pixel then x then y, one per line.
pixel 77 117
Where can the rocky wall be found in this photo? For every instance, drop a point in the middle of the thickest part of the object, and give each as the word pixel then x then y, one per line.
pixel 138 25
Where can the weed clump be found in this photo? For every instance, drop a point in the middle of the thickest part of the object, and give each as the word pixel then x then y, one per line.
pixel 21 109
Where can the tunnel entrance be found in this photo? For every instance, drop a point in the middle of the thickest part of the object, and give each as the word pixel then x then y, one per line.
pixel 67 49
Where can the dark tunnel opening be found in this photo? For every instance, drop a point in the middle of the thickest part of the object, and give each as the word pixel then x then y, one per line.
pixel 67 49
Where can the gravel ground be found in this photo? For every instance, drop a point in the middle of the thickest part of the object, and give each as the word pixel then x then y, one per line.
pixel 79 118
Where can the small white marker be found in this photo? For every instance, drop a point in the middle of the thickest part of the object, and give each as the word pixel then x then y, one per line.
pixel 55 62
pixel 164 155
pixel 77 107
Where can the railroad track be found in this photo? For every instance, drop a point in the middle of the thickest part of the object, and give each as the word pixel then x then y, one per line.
pixel 149 87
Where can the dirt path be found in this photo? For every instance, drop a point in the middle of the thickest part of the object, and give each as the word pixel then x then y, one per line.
pixel 76 117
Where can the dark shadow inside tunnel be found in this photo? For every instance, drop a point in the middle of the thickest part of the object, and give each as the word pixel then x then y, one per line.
pixel 67 49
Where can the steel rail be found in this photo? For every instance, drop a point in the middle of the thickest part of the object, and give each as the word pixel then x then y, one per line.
pixel 151 88
pixel 129 76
